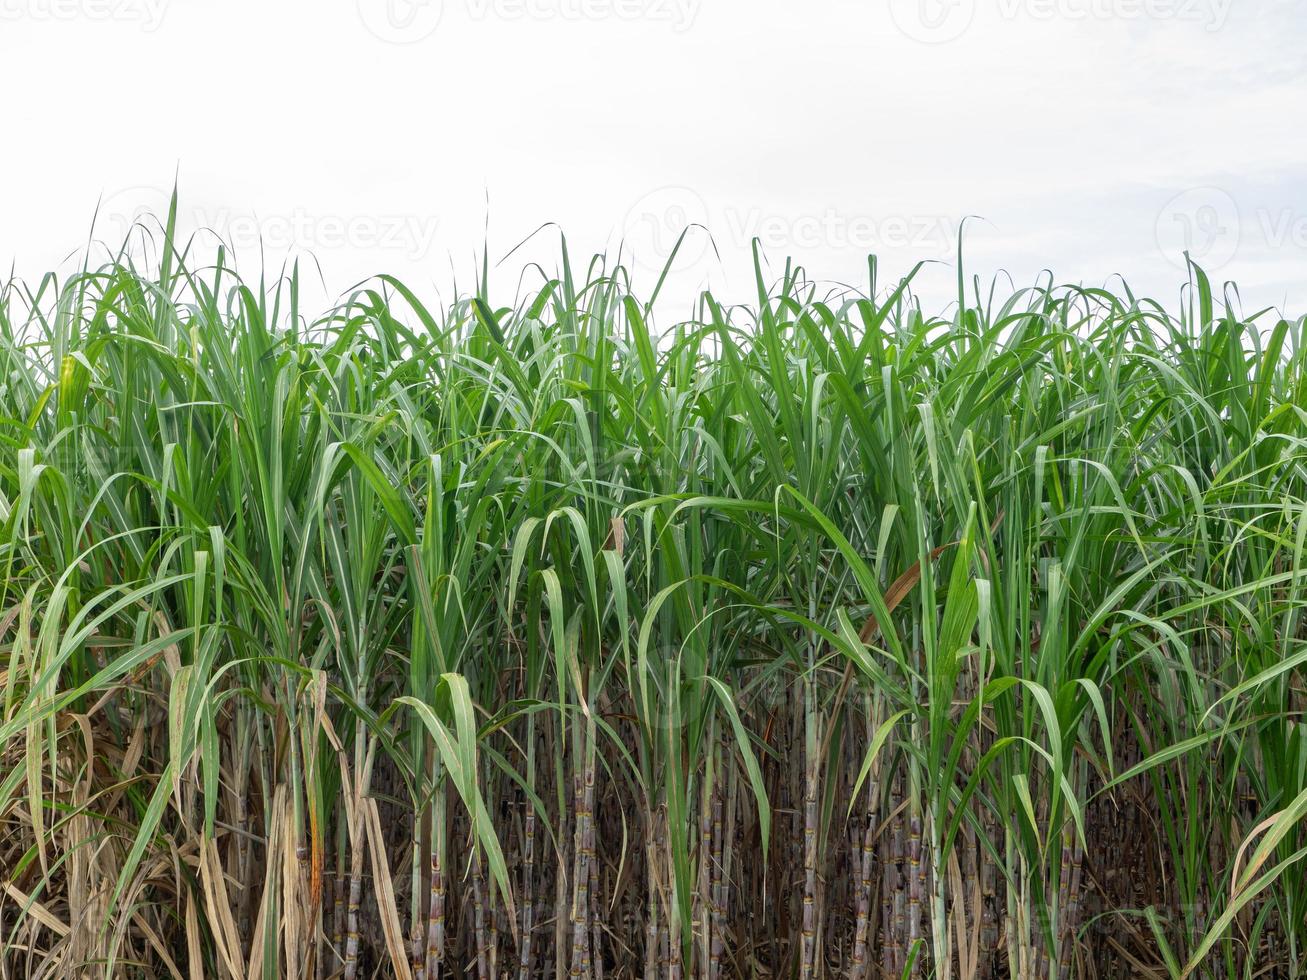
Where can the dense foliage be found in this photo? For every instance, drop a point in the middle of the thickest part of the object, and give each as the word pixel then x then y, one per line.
pixel 818 638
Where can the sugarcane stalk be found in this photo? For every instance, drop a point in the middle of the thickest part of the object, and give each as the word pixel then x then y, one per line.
pixel 417 935
pixel 528 872
pixel 596 958
pixel 338 890
pixel 939 934
pixel 703 904
pixel 674 948
pixel 717 908
pixel 652 927
pixel 243 849
pixel 809 945
pixel 1071 910
pixel 561 921
pixel 728 852
pixel 352 909
pixel 436 909
pixel 358 842
pixel 586 859
pixel 896 883
pixel 492 917
pixel 988 889
pixel 916 878
pixel 479 915
pixel 580 881
pixel 865 865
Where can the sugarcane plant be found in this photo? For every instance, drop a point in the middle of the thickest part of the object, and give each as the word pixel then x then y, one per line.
pixel 816 636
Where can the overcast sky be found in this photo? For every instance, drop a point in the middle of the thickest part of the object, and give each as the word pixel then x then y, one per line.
pixel 1089 137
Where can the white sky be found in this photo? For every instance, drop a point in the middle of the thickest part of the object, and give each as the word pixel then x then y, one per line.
pixel 1090 137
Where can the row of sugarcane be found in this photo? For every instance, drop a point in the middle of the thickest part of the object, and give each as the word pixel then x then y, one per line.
pixel 818 638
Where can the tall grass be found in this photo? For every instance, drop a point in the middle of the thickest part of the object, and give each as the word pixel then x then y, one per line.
pixel 821 637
